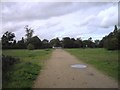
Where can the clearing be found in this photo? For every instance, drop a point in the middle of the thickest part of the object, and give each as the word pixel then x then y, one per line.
pixel 57 73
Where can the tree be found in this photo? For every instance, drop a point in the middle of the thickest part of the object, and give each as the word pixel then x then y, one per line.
pixel 45 43
pixel 111 41
pixel 115 28
pixel 85 43
pixel 35 41
pixel 97 42
pixel 101 44
pixel 21 44
pixel 73 44
pixel 118 37
pixel 91 43
pixel 29 32
pixel 90 39
pixel 78 43
pixel 55 42
pixel 111 44
pixel 67 42
pixel 7 40
pixel 88 43
pixel 30 46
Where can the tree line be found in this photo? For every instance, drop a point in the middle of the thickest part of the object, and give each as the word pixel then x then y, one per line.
pixel 110 41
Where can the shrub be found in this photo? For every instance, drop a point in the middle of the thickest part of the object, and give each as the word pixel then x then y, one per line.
pixel 30 47
pixel 111 44
pixel 8 61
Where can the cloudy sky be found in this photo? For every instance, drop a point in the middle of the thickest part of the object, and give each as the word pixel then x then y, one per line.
pixel 60 19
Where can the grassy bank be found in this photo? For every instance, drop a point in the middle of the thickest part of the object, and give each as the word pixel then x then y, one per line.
pixel 22 74
pixel 103 60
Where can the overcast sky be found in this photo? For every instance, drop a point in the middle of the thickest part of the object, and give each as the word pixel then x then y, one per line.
pixel 60 19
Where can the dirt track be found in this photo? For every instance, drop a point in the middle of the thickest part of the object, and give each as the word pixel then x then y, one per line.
pixel 58 74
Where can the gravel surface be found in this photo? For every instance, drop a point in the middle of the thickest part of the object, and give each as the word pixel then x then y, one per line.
pixel 58 73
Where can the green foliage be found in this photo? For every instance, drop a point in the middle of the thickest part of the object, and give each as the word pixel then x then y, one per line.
pixel 35 41
pixel 104 60
pixel 67 42
pixel 45 44
pixel 21 44
pixel 111 41
pixel 88 43
pixel 97 42
pixel 7 40
pixel 8 61
pixel 78 43
pixel 29 32
pixel 55 42
pixel 22 74
pixel 30 47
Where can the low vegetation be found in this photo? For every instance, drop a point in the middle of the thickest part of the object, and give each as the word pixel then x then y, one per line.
pixel 104 60
pixel 23 71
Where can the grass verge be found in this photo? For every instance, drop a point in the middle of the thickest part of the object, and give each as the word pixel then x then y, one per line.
pixel 104 60
pixel 22 74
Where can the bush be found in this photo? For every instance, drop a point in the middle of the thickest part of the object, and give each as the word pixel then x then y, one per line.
pixel 111 44
pixel 8 61
pixel 30 47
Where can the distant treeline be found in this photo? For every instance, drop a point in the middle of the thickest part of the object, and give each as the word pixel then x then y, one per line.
pixel 110 41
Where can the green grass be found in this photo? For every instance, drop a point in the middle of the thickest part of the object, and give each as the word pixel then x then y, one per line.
pixel 23 74
pixel 104 60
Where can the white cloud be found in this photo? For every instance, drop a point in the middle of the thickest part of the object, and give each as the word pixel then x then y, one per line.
pixel 51 20
pixel 109 16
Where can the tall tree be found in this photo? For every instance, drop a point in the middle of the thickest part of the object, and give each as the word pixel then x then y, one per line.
pixel 7 40
pixel 111 41
pixel 29 32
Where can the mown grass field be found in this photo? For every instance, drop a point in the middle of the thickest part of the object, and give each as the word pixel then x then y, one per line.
pixel 104 60
pixel 22 74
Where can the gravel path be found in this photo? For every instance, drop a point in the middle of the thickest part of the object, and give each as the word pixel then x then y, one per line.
pixel 57 73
